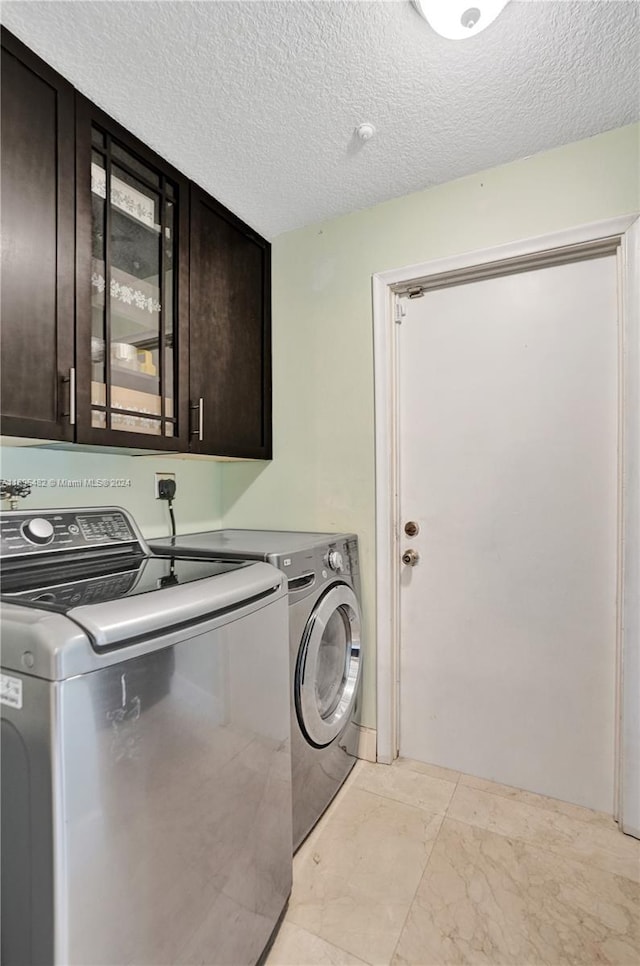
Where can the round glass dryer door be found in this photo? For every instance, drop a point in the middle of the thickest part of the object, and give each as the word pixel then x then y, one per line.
pixel 328 668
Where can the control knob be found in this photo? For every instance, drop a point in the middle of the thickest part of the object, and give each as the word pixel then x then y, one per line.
pixel 334 560
pixel 38 531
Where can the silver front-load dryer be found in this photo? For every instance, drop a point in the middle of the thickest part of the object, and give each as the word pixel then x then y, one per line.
pixel 325 640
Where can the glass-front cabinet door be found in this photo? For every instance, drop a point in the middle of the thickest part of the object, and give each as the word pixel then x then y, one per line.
pixel 131 284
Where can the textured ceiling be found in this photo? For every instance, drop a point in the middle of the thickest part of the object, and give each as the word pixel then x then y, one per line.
pixel 258 101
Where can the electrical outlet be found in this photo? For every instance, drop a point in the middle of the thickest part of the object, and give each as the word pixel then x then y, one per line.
pixel 159 478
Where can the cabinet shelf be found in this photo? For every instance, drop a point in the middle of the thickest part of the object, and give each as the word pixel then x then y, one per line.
pixel 128 378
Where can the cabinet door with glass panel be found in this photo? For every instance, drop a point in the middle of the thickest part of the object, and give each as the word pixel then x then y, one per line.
pixel 132 262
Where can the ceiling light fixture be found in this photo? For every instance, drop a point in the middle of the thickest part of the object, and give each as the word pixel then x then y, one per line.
pixel 459 19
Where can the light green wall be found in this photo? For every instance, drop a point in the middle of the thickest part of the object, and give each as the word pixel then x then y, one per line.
pixel 197 504
pixel 322 475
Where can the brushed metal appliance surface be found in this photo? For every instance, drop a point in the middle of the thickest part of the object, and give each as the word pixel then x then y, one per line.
pixel 326 649
pixel 146 792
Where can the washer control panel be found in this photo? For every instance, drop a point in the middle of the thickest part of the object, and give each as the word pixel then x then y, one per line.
pixel 56 530
pixel 38 531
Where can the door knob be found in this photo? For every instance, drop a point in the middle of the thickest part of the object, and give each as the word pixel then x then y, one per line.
pixel 411 529
pixel 410 558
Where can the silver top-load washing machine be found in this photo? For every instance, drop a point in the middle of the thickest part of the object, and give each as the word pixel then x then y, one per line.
pixel 325 647
pixel 146 782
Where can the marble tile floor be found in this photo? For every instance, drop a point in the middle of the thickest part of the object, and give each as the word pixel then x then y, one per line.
pixel 416 865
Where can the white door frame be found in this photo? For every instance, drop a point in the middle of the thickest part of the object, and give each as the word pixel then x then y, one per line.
pixel 621 234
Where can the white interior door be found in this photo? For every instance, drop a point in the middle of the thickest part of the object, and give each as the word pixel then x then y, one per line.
pixel 508 395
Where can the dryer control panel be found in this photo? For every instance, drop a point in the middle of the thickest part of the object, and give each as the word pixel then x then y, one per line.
pixel 307 570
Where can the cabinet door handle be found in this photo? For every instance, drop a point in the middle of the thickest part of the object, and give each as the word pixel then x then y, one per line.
pixel 72 396
pixel 71 411
pixel 199 432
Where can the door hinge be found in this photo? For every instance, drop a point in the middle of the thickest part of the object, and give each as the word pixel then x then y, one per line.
pixel 400 310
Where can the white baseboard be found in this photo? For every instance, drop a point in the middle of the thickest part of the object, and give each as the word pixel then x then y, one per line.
pixel 367 741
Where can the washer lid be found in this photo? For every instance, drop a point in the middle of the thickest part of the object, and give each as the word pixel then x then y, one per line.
pixel 329 666
pixel 159 596
pixel 61 586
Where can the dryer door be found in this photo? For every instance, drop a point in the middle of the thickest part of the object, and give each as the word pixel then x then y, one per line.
pixel 328 668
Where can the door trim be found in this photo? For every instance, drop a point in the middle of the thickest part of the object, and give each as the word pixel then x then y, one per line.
pixel 620 234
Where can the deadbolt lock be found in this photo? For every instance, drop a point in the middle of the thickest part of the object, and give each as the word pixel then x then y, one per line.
pixel 411 529
pixel 410 558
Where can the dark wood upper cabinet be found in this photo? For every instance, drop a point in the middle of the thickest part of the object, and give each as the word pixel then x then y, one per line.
pixel 38 174
pixel 136 310
pixel 230 333
pixel 132 289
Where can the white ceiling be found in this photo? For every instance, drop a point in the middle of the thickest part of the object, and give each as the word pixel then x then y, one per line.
pixel 258 101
